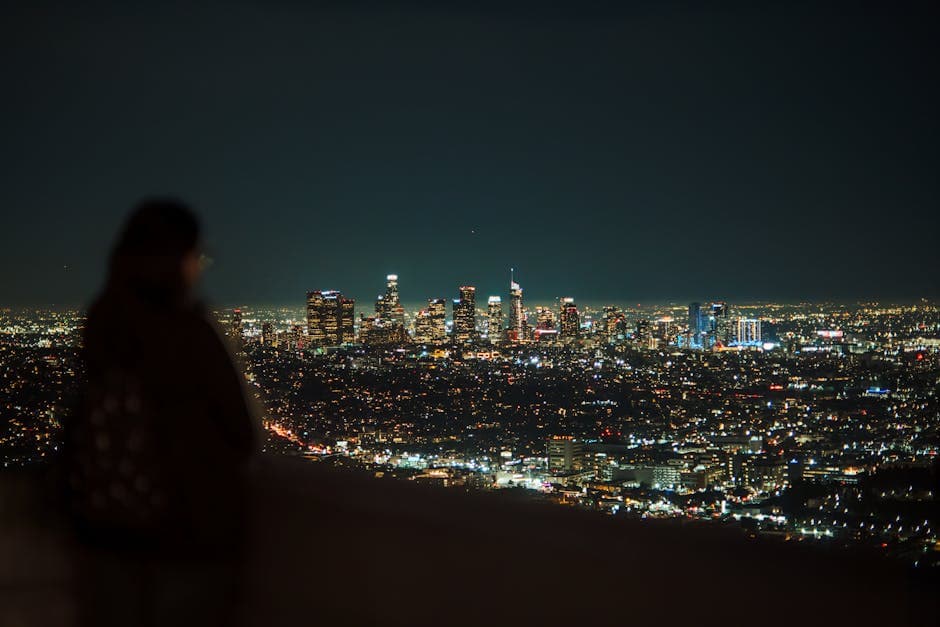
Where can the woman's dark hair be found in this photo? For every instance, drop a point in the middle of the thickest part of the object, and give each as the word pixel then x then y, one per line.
pixel 147 257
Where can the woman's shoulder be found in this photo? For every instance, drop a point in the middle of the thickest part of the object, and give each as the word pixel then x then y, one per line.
pixel 204 331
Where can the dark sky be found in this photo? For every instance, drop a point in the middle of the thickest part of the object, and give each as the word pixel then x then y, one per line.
pixel 628 152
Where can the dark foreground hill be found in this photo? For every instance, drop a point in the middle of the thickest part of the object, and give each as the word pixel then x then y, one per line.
pixel 334 547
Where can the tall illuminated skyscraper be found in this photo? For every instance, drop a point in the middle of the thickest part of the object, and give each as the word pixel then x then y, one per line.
pixel 465 315
pixel 391 289
pixel 494 320
pixel 347 320
pixel 395 311
pixel 747 332
pixel 642 336
pixel 371 331
pixel 517 320
pixel 721 323
pixel 315 332
pixel 569 319
pixel 545 330
pixel 696 325
pixel 665 329
pixel 387 326
pixel 437 311
pixel 237 327
pixel 614 323
pixel 424 328
pixel 388 306
pixel 329 318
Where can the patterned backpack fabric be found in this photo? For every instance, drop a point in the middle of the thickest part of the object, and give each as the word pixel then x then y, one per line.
pixel 116 481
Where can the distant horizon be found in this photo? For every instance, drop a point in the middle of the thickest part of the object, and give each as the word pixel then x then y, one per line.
pixel 415 305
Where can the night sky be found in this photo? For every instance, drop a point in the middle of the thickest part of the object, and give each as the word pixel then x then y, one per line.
pixel 655 152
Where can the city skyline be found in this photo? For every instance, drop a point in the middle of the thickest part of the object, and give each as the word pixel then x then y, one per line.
pixel 330 321
pixel 510 297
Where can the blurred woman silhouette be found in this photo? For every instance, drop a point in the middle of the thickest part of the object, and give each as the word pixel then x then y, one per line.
pixel 156 453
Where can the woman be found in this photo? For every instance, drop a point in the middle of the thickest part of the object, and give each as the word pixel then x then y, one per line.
pixel 156 453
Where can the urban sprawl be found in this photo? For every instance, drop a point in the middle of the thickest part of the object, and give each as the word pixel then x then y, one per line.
pixel 813 422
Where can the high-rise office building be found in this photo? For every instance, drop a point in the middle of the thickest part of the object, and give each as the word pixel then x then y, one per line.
pixel 545 331
pixel 387 326
pixel 291 339
pixel 747 332
pixel 367 330
pixel 721 324
pixel 565 454
pixel 437 311
pixel 614 323
pixel 381 310
pixel 424 327
pixel 379 331
pixel 545 318
pixel 315 332
pixel 388 306
pixel 517 320
pixel 329 318
pixel 237 327
pixel 665 329
pixel 494 319
pixel 569 319
pixel 642 335
pixel 347 320
pixel 391 289
pixel 696 325
pixel 267 334
pixel 465 315
pixel 395 310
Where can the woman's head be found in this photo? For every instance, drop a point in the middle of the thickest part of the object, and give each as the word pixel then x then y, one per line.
pixel 157 253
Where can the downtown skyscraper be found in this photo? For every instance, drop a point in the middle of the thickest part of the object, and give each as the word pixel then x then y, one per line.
pixel 569 319
pixel 330 318
pixel 387 326
pixel 720 322
pixel 494 319
pixel 465 315
pixel 431 323
pixel 437 310
pixel 747 332
pixel 388 306
pixel 517 322
pixel 614 323
pixel 237 327
pixel 696 325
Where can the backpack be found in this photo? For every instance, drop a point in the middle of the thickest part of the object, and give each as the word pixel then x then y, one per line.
pixel 117 482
